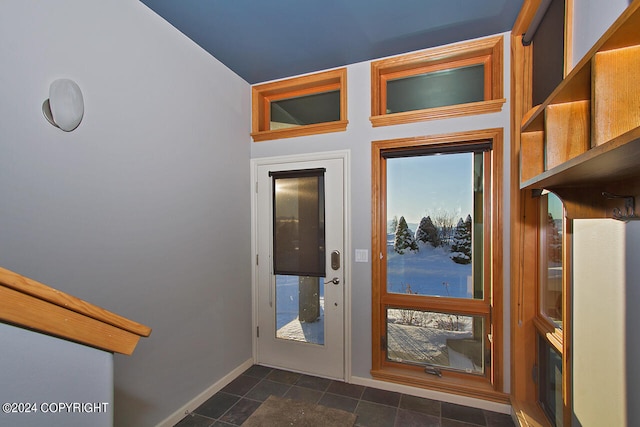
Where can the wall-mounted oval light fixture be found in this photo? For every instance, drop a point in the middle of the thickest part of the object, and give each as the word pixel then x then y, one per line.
pixel 65 107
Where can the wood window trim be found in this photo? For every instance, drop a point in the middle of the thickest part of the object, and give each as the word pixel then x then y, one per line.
pixel 488 388
pixel 488 52
pixel 262 95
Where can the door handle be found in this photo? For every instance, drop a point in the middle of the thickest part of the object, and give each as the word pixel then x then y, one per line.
pixel 335 281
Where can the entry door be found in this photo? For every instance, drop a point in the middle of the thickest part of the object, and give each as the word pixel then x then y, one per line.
pixel 300 271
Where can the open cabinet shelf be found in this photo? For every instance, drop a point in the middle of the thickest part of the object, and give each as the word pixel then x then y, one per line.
pixel 618 159
pixel 585 138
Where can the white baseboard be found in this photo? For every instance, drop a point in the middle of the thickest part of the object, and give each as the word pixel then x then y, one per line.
pixel 188 407
pixel 435 395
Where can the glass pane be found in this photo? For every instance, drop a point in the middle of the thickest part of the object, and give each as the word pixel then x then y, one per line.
pixel 443 340
pixel 436 89
pixel 298 238
pixel 551 258
pixel 435 225
pixel 300 308
pixel 550 388
pixel 305 110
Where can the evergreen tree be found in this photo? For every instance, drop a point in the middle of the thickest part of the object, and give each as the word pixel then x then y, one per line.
pixel 404 239
pixel 461 247
pixel 428 233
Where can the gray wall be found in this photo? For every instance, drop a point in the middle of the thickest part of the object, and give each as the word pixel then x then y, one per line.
pixel 144 209
pixel 43 372
pixel 357 138
pixel 591 18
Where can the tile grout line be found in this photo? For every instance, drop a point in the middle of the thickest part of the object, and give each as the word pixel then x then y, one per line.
pixel 240 398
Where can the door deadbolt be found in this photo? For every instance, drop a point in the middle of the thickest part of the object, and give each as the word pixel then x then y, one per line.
pixel 335 260
pixel 335 281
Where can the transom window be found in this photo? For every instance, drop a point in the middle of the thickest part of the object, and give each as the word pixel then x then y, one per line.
pixel 306 105
pixel 434 235
pixel 437 88
pixel 450 81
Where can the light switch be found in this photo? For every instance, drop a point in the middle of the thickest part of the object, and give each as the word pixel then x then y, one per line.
pixel 362 255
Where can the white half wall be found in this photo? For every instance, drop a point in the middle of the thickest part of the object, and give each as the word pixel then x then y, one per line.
pixel 605 339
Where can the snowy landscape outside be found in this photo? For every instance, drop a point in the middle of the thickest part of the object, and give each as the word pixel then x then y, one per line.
pixel 430 205
pixel 431 255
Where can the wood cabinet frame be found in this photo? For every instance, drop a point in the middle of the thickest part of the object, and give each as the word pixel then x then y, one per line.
pixel 598 89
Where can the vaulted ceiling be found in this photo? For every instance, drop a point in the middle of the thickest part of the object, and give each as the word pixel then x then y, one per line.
pixel 262 40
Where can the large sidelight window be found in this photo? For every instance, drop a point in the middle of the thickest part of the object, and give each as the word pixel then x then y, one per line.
pixel 436 287
pixel 434 250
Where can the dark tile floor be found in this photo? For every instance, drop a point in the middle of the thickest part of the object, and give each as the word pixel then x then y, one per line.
pixel 232 405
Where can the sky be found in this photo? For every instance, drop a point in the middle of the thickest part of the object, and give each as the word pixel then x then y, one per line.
pixel 426 185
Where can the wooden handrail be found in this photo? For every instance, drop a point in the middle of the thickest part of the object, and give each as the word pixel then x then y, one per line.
pixel 31 304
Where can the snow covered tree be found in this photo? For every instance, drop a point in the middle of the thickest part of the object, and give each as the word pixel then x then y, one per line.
pixel 428 233
pixel 461 247
pixel 404 239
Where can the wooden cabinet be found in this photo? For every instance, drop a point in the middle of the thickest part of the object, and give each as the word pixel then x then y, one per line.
pixel 583 142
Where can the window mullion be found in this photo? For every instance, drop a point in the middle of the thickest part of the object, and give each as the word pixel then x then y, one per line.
pixel 463 306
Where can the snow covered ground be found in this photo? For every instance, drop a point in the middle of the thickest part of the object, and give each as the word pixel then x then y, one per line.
pixel 421 340
pixel 422 337
pixel 430 271
pixel 288 326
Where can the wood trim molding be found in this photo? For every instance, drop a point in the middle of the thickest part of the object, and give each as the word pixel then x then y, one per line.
pixel 462 387
pixel 488 51
pixel 262 95
pixel 527 12
pixel 524 241
pixel 30 304
pixel 292 132
pixel 472 108
pixel 480 386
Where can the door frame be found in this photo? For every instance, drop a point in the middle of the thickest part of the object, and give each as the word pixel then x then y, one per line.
pixel 345 156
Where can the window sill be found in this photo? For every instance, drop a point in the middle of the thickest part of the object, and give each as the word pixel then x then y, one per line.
pixel 478 388
pixel 472 108
pixel 305 130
